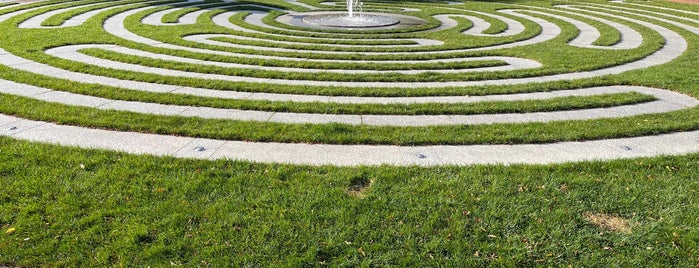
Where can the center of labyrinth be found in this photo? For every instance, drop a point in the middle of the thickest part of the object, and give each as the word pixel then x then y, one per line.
pixel 439 83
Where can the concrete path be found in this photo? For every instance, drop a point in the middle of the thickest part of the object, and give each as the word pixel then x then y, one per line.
pixel 675 47
pixel 667 101
pixel 72 53
pixel 349 155
pixel 322 154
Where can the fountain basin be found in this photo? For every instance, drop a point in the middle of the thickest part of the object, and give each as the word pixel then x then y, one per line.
pixel 345 21
pixel 340 20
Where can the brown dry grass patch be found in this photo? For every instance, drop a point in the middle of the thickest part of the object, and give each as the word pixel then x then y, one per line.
pixel 610 222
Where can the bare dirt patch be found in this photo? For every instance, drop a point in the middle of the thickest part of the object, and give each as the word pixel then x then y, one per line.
pixel 610 222
pixel 359 187
pixel 695 2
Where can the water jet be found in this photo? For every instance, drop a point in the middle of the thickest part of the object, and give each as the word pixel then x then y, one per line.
pixel 353 18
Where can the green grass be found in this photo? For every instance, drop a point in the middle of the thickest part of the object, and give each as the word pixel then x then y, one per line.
pixel 580 60
pixel 115 56
pixel 486 107
pixel 341 134
pixel 73 207
pixel 60 18
pixel 567 59
pixel 88 208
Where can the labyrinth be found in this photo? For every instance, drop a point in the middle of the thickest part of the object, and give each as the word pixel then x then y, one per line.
pixel 472 83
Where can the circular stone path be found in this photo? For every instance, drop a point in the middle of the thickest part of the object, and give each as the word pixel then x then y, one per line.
pixel 238 62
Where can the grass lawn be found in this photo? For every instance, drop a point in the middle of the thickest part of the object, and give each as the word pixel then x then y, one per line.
pixel 62 206
pixel 70 207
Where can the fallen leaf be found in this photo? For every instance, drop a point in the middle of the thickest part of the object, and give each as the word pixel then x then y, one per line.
pixel 10 231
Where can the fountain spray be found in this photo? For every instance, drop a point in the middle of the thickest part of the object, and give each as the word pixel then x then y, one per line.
pixel 352 5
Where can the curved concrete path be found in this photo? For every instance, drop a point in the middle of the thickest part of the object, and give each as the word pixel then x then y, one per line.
pixel 667 101
pixel 670 51
pixel 72 53
pixel 675 143
pixel 630 38
pixel 480 25
pixel 657 13
pixel 349 155
pixel 36 21
pixel 676 46
pixel 255 18
pixel 156 19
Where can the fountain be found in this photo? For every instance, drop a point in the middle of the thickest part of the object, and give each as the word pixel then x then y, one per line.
pixel 355 18
pixel 352 19
pixel 351 4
